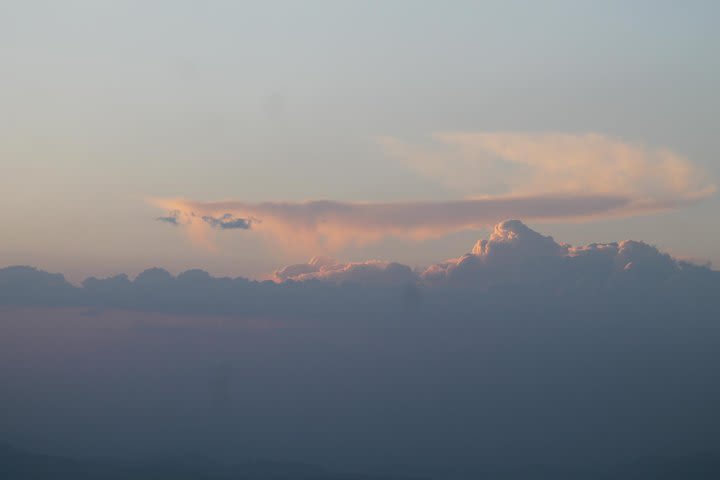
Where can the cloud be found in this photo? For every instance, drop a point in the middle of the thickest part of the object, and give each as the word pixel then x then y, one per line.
pixel 172 218
pixel 515 254
pixel 199 226
pixel 515 261
pixel 511 163
pixel 299 270
pixel 514 238
pixel 535 176
pixel 523 337
pixel 227 222
pixel 368 273
pixel 330 224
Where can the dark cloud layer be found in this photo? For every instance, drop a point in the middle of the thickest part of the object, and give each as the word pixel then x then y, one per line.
pixel 524 358
pixel 515 261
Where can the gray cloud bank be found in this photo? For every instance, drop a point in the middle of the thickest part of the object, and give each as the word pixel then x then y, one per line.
pixel 524 358
pixel 514 262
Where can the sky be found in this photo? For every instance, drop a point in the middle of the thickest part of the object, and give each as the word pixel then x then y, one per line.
pixel 444 118
pixel 432 239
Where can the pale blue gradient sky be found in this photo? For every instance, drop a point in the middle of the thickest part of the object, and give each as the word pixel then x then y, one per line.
pixel 105 103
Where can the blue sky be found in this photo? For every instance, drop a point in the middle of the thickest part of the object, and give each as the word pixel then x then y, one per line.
pixel 109 103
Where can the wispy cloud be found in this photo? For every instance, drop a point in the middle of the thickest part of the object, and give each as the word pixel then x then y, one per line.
pixel 331 224
pixel 510 163
pixel 553 176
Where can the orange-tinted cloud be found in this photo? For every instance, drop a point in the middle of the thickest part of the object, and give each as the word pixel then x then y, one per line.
pixel 559 163
pixel 329 224
pixel 500 175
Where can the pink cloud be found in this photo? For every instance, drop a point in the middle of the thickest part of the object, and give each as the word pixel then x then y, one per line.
pixel 329 224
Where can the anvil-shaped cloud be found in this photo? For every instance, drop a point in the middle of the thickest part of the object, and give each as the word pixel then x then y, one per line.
pixel 332 224
pixel 533 176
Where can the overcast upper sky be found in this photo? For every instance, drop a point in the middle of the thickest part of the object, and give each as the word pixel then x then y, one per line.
pixel 112 111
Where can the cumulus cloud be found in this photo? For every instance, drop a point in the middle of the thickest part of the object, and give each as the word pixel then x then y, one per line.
pixel 293 272
pixel 514 238
pixel 514 261
pixel 368 273
pixel 515 254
